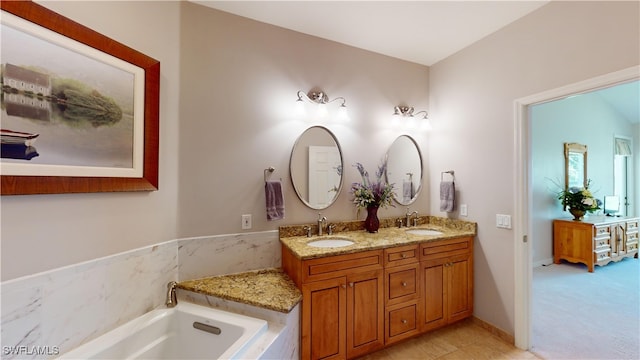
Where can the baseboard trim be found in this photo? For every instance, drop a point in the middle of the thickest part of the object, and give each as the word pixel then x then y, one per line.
pixel 543 262
pixel 503 335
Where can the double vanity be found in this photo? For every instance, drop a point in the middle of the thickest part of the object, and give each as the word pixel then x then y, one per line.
pixel 363 291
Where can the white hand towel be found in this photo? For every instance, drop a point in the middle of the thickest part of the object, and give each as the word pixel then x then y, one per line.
pixel 275 200
pixel 447 196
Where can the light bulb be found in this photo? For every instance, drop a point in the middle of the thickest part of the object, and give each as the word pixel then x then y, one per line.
pixel 299 108
pixel 322 110
pixel 426 125
pixel 343 115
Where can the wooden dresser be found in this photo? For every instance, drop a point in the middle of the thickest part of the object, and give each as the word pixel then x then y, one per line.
pixel 596 240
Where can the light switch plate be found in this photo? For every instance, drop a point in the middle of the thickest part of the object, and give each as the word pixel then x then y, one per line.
pixel 463 210
pixel 503 221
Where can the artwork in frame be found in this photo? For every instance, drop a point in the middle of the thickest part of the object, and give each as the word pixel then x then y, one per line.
pixel 80 111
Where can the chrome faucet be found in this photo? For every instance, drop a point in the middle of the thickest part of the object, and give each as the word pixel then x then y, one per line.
pixel 330 229
pixel 307 229
pixel 172 299
pixel 321 221
pixel 408 217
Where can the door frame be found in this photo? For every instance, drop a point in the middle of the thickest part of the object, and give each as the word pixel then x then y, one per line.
pixel 523 268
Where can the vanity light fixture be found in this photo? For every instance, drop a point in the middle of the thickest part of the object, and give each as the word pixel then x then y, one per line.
pixel 409 111
pixel 322 100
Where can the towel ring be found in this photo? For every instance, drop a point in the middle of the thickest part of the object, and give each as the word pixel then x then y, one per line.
pixel 450 172
pixel 268 172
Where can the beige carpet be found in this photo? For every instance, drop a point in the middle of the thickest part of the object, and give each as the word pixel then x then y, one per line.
pixel 582 315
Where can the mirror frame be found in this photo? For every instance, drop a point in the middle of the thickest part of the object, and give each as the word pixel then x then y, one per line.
pixel 574 148
pixel 295 145
pixel 386 172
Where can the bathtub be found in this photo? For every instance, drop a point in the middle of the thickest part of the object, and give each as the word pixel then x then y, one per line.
pixel 187 331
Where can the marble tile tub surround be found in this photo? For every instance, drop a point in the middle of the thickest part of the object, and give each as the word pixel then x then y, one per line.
pixel 294 237
pixel 63 308
pixel 58 310
pixel 233 253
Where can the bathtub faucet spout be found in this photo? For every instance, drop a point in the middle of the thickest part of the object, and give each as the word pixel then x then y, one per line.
pixel 172 299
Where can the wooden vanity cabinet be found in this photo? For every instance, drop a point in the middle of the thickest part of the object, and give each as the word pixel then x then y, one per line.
pixel 447 282
pixel 342 303
pixel 402 293
pixel 358 303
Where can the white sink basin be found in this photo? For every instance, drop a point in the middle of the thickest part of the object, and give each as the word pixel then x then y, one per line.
pixel 423 232
pixel 327 243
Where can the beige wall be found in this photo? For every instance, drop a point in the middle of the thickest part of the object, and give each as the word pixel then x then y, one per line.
pixel 44 232
pixel 472 97
pixel 228 91
pixel 237 113
pixel 227 95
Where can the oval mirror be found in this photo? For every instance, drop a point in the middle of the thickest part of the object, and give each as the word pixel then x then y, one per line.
pixel 404 169
pixel 316 167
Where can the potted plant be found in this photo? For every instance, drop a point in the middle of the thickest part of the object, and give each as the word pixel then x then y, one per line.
pixel 579 201
pixel 372 195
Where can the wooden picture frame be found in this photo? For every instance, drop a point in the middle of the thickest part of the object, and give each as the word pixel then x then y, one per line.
pixel 145 176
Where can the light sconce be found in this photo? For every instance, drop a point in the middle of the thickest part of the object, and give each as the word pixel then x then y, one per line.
pixel 322 100
pixel 409 111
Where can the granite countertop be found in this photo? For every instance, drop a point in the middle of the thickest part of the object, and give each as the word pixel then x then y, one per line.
pixel 270 289
pixel 385 237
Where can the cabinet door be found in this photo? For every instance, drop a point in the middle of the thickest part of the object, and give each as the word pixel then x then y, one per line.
pixel 324 314
pixel 459 288
pixel 365 313
pixel 434 300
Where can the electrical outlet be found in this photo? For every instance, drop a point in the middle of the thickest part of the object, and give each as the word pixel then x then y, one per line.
pixel 463 210
pixel 246 221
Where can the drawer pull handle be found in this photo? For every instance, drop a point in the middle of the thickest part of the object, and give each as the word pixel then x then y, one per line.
pixel 350 284
pixel 404 284
pixel 404 321
pixel 403 255
pixel 344 286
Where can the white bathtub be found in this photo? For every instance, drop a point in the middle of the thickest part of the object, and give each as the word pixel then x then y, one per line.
pixel 171 334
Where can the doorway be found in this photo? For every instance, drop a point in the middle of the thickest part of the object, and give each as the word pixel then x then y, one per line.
pixel 523 224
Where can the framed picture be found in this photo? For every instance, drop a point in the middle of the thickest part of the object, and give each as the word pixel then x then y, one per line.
pixel 80 111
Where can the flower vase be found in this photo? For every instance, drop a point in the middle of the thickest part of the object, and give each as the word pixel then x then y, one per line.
pixel 578 215
pixel 371 223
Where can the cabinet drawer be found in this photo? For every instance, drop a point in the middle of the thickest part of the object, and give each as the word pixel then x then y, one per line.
pixel 632 225
pixel 602 255
pixel 445 248
pixel 339 265
pixel 401 255
pixel 402 320
pixel 602 232
pixel 401 284
pixel 602 243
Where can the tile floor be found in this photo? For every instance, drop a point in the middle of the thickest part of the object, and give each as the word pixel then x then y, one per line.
pixel 464 340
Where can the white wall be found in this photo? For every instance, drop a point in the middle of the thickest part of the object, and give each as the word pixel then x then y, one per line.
pixel 472 97
pixel 44 232
pixel 584 119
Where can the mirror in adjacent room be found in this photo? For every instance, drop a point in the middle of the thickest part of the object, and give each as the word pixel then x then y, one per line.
pixel 404 169
pixel 575 165
pixel 316 167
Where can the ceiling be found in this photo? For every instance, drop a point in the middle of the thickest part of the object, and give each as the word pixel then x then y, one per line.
pixel 625 98
pixel 423 32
